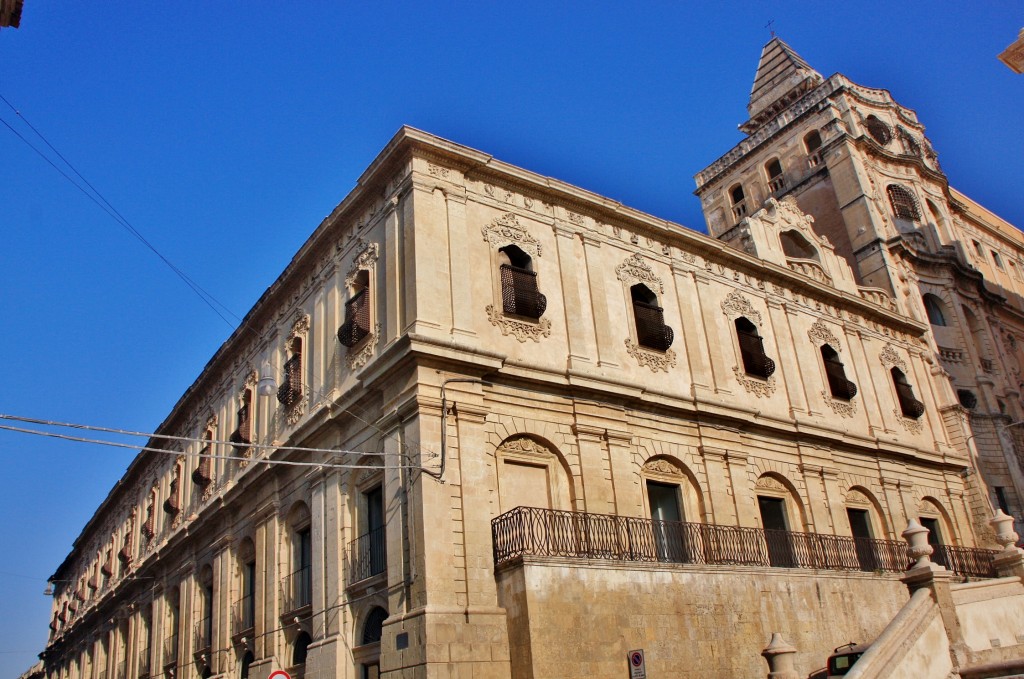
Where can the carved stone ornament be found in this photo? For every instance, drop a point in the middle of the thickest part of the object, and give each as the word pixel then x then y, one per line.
pixel 298 409
pixel 890 358
pixel 300 326
pixel 842 408
pixel 687 257
pixel 655 360
pixel 770 483
pixel 521 330
pixel 506 230
pixel 820 333
pixel 662 467
pixel 754 385
pixel 524 445
pixel 635 270
pixel 438 171
pixel 211 421
pixel 364 261
pixel 736 304
pixel 358 359
pixel 251 380
pixel 857 498
pixel 909 423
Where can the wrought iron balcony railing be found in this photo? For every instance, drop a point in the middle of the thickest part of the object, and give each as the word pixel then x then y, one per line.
pixel 297 590
pixel 143 663
pixel 203 635
pixel 244 614
pixel 369 555
pixel 171 650
pixel 547 532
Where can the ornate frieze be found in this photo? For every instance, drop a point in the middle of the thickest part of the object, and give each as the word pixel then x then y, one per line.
pixel 357 359
pixel 655 360
pixel 909 423
pixel 736 304
pixel 662 466
pixel 521 330
pixel 367 257
pixel 506 230
pixel 524 445
pixel 839 407
pixel 754 385
pixel 770 483
pixel 820 333
pixel 635 270
pixel 890 358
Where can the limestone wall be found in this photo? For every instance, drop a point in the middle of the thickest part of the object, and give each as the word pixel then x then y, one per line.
pixel 572 619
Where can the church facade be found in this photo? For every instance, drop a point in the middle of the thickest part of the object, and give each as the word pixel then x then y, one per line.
pixel 489 424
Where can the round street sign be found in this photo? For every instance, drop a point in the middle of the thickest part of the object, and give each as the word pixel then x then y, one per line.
pixel 636 659
pixel 279 674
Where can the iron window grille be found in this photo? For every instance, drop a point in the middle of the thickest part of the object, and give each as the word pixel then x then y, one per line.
pixel 357 319
pixel 519 293
pixel 651 331
pixel 838 384
pixel 909 405
pixel 290 390
pixel 172 505
pixel 242 436
pixel 904 205
pixel 201 475
pixel 878 130
pixel 755 362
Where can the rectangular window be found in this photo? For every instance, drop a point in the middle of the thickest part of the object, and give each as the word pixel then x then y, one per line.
pixel 1001 499
pixel 997 259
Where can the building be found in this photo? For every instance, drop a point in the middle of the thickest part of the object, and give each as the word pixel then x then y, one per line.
pixel 558 429
pixel 1013 56
pixel 10 12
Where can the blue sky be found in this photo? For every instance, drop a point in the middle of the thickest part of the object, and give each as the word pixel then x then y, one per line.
pixel 226 131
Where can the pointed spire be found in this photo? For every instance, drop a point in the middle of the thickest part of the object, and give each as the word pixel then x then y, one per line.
pixel 781 76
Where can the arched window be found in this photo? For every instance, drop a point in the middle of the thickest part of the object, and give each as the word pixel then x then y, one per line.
pixel 651 331
pixel 739 204
pixel 967 398
pixel 245 608
pixel 357 312
pixel 838 384
pixel 934 308
pixel 302 642
pixel 373 628
pixel 520 295
pixel 755 362
pixel 795 245
pixel 878 130
pixel 909 405
pixel 910 145
pixel 812 143
pixel 776 180
pixel 290 391
pixel 904 205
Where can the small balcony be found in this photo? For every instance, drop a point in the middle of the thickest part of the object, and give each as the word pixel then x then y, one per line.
pixel 171 650
pixel 202 637
pixel 297 592
pixel 369 555
pixel 777 183
pixel 244 615
pixel 528 531
pixel 143 663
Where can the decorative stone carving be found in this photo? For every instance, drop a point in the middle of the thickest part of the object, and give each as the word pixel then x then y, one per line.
pixel 856 498
pixel 842 408
pixel 438 171
pixel 909 423
pixel 770 483
pixel 506 230
pixel 662 467
pixel 635 270
pixel 736 304
pixel 211 421
pixel 521 330
pixel 575 218
pixel 364 261
pixel 890 358
pixel 754 385
pixel 300 326
pixel 655 360
pixel 820 333
pixel 687 257
pixel 357 359
pixel 524 445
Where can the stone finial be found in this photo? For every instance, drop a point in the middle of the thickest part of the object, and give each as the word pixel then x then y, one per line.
pixel 1002 525
pixel 780 656
pixel 918 548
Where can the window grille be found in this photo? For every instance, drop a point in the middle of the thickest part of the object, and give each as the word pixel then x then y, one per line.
pixel 242 436
pixel 357 319
pixel 838 384
pixel 519 293
pixel 148 528
pixel 755 362
pixel 904 205
pixel 172 505
pixel 290 390
pixel 651 331
pixel 909 405
pixel 878 130
pixel 201 475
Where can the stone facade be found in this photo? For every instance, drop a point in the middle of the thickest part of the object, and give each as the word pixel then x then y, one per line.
pixel 461 337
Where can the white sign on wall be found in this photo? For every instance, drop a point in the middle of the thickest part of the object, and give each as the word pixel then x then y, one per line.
pixel 637 668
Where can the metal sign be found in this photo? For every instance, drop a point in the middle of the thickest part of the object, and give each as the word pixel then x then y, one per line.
pixel 279 674
pixel 637 668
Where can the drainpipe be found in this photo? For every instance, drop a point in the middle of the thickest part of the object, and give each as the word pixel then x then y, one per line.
pixel 444 422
